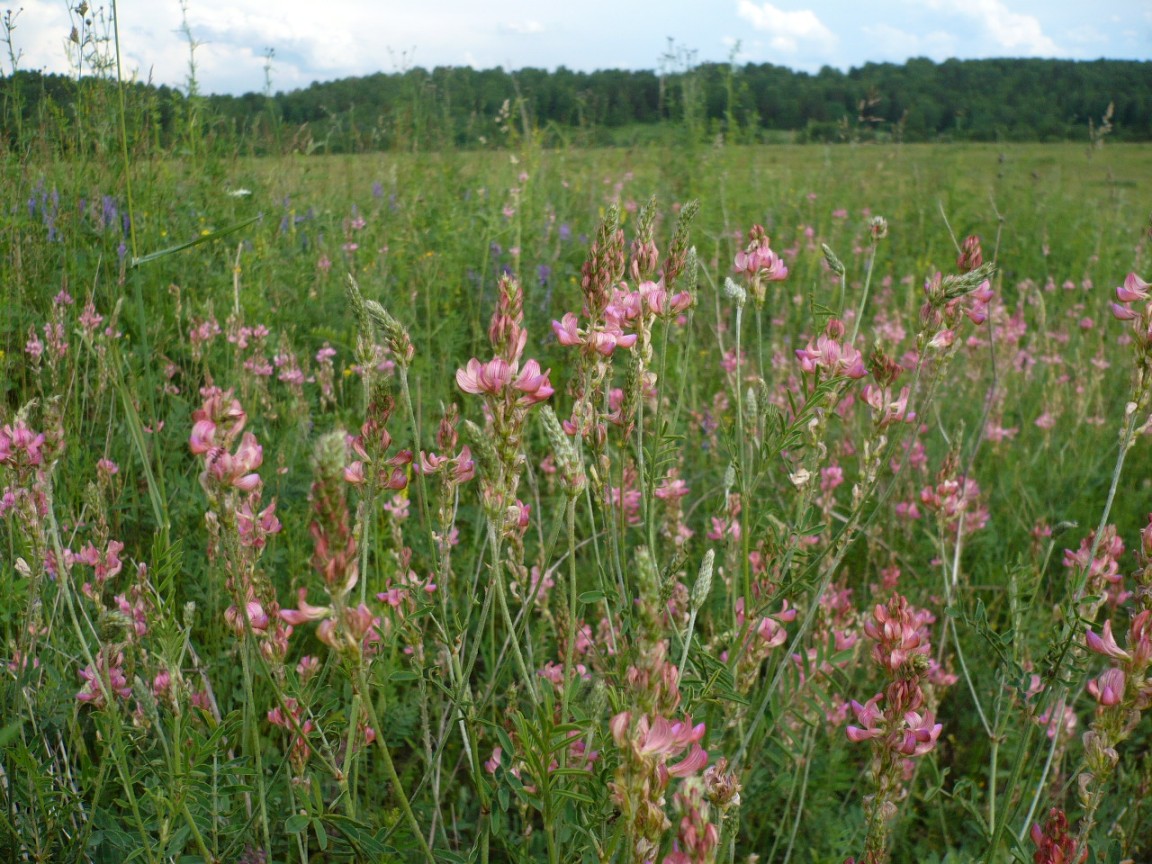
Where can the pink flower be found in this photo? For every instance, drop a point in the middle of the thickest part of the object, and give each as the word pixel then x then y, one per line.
pixel 108 674
pixel 1134 289
pixel 304 611
pixel 696 760
pixel 1108 689
pixel 254 527
pixel 484 378
pixel 492 763
pixel 254 612
pixel 827 353
pixel 533 383
pixel 1106 644
pixel 566 330
pixel 920 734
pixel 868 716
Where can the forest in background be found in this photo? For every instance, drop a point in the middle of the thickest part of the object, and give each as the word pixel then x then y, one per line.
pixel 450 107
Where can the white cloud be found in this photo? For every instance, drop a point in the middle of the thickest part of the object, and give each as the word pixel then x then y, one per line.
pixel 893 44
pixel 892 41
pixel 522 28
pixel 787 30
pixel 1013 32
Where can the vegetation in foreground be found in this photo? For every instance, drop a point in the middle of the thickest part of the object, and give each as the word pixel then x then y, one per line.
pixel 475 507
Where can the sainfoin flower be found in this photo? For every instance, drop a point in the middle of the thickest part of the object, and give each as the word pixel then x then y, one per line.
pixel 498 377
pixel 661 739
pixel 827 353
pixel 1108 689
pixel 107 676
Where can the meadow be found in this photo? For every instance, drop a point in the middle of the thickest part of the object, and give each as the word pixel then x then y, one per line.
pixel 676 504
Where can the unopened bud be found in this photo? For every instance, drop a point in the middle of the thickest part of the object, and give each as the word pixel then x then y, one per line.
pixel 691 266
pixel 731 289
pixel 703 584
pixel 573 474
pixel 971 255
pixel 834 263
pixel 729 477
pixel 399 342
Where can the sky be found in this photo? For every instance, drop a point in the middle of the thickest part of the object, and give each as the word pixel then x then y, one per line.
pixel 321 41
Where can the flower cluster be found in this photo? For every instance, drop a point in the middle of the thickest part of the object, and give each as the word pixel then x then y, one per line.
pixel 21 448
pixel 238 525
pixel 759 264
pixel 1134 303
pixel 509 392
pixel 647 745
pixel 1054 845
pixel 215 427
pixel 906 727
pixel 335 557
pixel 827 356
pixel 373 466
pixel 106 678
pixel 949 299
pixel 501 377
pixel 1102 567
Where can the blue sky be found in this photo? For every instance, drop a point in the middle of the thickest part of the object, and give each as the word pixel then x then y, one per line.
pixel 339 38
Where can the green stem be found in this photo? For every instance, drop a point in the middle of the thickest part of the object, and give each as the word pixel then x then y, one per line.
pixel 349 750
pixel 253 735
pixel 864 298
pixel 502 603
pixel 361 681
pixel 569 660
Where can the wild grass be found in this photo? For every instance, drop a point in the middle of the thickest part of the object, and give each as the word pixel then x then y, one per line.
pixel 633 603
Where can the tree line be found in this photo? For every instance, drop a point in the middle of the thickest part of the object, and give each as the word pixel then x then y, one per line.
pixel 452 107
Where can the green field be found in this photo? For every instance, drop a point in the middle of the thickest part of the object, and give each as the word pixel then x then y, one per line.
pixel 632 605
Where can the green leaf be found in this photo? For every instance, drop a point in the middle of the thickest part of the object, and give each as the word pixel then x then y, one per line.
pixel 361 838
pixel 9 732
pixel 204 238
pixel 575 796
pixel 590 597
pixel 296 823
pixel 321 834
